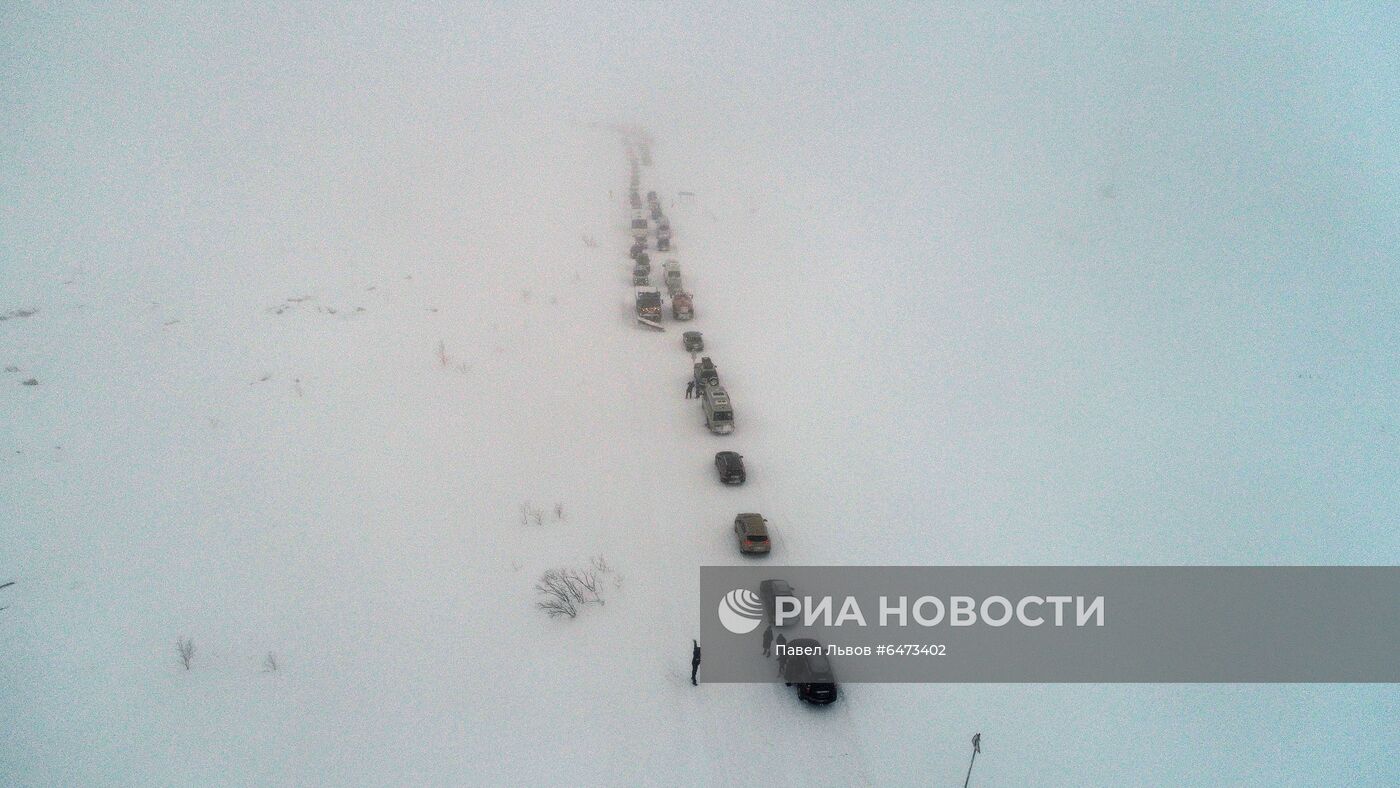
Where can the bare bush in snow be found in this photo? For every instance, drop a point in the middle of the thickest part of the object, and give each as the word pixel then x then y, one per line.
pixel 184 649
pixel 564 591
pixel 531 514
pixel 270 663
pixel 559 511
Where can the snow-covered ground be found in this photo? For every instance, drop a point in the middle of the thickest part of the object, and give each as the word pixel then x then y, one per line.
pixel 315 322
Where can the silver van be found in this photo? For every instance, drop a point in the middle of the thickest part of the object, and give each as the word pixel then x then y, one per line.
pixel 719 411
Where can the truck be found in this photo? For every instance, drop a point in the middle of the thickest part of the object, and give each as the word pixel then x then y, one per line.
pixel 649 307
pixel 705 374
pixel 719 411
pixel 682 306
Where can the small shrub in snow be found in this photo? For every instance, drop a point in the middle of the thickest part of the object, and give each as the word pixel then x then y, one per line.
pixel 270 664
pixel 564 591
pixel 184 649
pixel 601 566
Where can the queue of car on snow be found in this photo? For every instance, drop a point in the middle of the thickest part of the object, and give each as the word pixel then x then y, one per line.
pixel 804 663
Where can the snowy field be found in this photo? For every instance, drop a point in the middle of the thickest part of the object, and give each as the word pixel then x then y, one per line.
pixel 329 321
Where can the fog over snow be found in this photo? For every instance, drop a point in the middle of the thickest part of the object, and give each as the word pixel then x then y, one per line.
pixel 318 344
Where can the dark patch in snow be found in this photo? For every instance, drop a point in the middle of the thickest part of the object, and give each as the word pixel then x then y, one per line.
pixel 17 313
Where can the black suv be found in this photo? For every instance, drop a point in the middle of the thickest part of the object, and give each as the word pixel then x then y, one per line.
pixel 810 672
pixel 730 465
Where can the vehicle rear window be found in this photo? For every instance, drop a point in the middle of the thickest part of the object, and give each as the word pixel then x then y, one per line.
pixel 757 538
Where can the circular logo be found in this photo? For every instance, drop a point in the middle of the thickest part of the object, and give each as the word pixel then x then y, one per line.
pixel 740 611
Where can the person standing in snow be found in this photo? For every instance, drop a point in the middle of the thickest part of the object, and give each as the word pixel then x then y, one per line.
pixel 767 640
pixel 780 645
pixel 690 390
pixel 694 663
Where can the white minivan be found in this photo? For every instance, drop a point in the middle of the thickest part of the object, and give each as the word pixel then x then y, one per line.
pixel 719 411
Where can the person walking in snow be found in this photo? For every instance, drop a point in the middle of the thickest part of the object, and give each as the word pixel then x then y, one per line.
pixel 780 646
pixel 694 663
pixel 767 640
pixel 690 390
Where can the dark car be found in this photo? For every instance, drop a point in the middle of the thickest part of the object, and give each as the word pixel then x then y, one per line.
pixel 769 591
pixel 807 667
pixel 663 244
pixel 694 341
pixel 730 465
pixel 638 249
